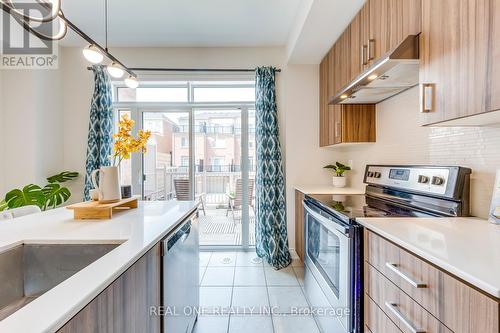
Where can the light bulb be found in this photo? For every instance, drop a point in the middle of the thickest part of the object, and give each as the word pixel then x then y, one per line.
pixel 131 82
pixel 92 54
pixel 115 70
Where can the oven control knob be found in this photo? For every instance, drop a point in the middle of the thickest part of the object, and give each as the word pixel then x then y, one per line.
pixel 437 181
pixel 377 174
pixel 423 179
pixel 369 174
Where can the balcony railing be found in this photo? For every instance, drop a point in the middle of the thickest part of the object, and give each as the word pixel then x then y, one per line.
pixel 212 180
pixel 210 129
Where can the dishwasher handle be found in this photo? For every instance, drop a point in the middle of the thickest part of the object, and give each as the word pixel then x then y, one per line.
pixel 178 237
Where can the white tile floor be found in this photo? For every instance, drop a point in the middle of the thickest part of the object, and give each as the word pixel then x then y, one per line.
pixel 239 293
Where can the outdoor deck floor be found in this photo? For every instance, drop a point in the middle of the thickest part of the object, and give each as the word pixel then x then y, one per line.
pixel 218 229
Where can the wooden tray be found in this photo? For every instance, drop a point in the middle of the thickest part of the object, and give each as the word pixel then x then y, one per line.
pixel 94 210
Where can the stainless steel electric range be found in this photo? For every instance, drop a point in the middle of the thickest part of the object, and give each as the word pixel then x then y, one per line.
pixel 333 239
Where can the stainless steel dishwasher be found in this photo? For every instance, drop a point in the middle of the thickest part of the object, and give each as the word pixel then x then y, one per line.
pixel 180 288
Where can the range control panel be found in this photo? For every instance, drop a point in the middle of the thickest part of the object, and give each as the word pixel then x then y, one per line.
pixel 432 180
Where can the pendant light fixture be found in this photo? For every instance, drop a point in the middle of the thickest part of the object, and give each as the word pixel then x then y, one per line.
pixel 115 70
pixel 53 5
pixel 131 82
pixel 92 54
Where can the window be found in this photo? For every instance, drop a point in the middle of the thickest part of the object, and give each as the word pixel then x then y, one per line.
pixel 184 142
pixel 184 161
pixel 217 163
pixel 153 94
pixel 224 94
pixel 192 92
pixel 218 143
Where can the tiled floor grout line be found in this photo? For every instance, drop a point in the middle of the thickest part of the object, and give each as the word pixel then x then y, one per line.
pixel 232 294
pixel 268 297
pixel 265 269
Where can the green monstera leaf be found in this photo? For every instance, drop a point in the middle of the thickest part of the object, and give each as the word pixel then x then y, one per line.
pixel 62 177
pixel 3 205
pixel 55 195
pixel 30 195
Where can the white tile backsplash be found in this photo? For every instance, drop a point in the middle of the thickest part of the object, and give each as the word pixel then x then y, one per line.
pixel 400 139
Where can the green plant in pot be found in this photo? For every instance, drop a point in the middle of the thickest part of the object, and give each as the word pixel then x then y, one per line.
pixel 48 197
pixel 339 169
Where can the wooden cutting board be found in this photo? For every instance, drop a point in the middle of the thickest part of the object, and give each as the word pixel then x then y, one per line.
pixel 91 210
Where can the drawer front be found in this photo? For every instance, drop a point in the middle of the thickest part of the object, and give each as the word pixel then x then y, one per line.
pixel 409 316
pixel 375 319
pixel 446 298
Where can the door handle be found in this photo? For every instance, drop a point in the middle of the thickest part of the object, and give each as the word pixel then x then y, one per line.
pixel 427 95
pixel 371 47
pixel 393 307
pixel 393 267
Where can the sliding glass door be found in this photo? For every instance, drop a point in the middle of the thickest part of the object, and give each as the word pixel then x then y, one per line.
pixel 222 176
pixel 167 161
pixel 202 148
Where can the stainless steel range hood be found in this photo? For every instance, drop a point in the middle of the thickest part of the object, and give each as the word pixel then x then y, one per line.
pixel 395 72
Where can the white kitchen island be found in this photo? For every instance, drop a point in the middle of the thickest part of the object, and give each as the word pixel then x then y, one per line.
pixel 137 230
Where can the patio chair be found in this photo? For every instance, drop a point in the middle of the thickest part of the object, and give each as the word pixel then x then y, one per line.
pixel 235 199
pixel 181 186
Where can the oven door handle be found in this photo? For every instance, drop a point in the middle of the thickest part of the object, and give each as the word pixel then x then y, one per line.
pixel 329 224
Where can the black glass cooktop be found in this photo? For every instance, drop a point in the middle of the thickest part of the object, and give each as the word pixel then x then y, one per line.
pixel 356 206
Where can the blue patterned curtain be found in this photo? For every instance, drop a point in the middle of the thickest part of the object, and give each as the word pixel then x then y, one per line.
pixel 100 140
pixel 270 229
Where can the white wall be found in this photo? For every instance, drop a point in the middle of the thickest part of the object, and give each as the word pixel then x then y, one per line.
pixel 31 121
pixel 401 140
pixel 304 158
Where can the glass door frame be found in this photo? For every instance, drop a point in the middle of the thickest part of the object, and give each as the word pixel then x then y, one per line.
pixel 137 111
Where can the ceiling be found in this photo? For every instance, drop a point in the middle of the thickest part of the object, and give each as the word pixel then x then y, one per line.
pixel 184 23
pixel 318 25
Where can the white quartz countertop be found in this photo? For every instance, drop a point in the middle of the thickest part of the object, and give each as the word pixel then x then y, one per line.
pixel 328 189
pixel 468 248
pixel 138 229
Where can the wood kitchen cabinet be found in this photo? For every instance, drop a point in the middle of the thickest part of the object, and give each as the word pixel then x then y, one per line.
pixel 408 291
pixel 378 27
pixel 124 306
pixel 299 224
pixel 342 123
pixel 459 59
pixel 390 22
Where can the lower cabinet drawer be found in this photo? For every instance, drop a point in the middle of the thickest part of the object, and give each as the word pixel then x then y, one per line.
pixel 375 319
pixel 408 315
pixel 461 308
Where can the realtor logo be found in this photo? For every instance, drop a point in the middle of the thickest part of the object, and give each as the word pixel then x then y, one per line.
pixel 21 49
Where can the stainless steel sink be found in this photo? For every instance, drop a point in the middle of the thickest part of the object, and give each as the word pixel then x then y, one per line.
pixel 29 270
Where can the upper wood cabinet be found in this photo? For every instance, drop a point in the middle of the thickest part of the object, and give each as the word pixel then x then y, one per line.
pixel 493 96
pixel 459 59
pixel 390 22
pixel 378 27
pixel 342 123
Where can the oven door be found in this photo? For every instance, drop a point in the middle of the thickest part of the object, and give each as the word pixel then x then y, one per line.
pixel 328 253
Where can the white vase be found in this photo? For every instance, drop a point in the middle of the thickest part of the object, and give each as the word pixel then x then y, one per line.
pixel 338 181
pixel 109 184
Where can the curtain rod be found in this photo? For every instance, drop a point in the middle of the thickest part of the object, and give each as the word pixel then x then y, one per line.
pixel 139 69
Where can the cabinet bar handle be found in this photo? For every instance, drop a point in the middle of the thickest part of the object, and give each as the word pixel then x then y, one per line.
pixel 427 94
pixel 371 47
pixel 394 268
pixel 393 307
pixel 363 55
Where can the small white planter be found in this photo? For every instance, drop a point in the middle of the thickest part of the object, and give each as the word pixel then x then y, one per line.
pixel 338 181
